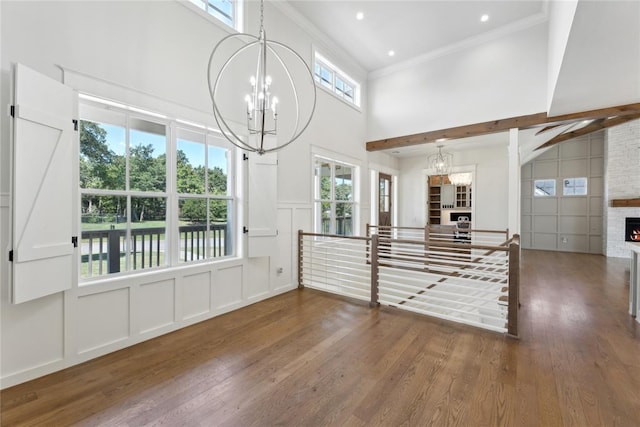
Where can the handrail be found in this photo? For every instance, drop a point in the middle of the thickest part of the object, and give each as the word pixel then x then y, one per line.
pixel 437 227
pixel 334 236
pixel 441 244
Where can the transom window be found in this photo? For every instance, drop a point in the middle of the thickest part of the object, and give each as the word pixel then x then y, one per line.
pixel 331 78
pixel 153 192
pixel 334 197
pixel 226 11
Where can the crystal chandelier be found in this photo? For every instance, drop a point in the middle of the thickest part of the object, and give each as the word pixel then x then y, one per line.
pixel 260 60
pixel 440 162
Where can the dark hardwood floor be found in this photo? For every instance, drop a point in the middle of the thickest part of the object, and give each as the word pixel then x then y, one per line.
pixel 307 358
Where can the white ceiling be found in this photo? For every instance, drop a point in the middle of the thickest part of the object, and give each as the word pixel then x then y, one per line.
pixel 604 58
pixel 414 29
pixel 410 28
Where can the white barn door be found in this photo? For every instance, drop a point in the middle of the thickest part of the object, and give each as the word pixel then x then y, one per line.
pixel 43 186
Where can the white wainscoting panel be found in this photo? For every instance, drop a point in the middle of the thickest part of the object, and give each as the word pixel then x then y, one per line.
pixel 256 285
pixel 103 319
pixel 196 295
pixel 156 305
pixel 35 337
pixel 285 247
pixel 227 287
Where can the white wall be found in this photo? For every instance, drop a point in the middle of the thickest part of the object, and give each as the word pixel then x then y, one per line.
pixel 603 55
pixel 490 197
pixel 152 51
pixel 560 19
pixel 502 78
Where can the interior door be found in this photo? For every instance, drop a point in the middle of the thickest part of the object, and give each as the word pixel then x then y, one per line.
pixel 42 185
pixel 385 198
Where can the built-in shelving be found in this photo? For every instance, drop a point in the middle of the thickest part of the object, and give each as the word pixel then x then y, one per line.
pixel 460 197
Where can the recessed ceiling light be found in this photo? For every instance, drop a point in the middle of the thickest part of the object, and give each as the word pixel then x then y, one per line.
pixel 391 53
pixel 359 16
pixel 484 18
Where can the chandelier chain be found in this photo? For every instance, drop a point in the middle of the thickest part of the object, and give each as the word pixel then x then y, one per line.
pixel 261 17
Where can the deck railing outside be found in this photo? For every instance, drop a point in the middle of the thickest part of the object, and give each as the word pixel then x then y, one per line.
pixel 473 281
pixel 344 226
pixel 103 251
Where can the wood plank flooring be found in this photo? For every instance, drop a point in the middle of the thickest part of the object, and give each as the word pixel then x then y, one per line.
pixel 307 358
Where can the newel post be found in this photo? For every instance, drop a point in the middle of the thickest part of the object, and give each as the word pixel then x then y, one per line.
pixel 426 247
pixel 514 286
pixel 374 271
pixel 300 254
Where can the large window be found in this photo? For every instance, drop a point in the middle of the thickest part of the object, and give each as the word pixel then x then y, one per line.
pixel 153 193
pixel 334 197
pixel 331 78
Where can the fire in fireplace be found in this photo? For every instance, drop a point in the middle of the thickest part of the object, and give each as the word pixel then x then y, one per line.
pixel 632 230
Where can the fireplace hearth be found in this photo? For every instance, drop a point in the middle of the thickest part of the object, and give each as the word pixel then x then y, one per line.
pixel 632 230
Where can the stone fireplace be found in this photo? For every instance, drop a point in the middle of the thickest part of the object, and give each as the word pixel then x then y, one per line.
pixel 622 178
pixel 632 230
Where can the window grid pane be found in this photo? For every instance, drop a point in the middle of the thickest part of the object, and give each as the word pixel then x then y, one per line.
pixel 337 82
pixel 122 230
pixel 334 206
pixel 544 187
pixel 575 187
pixel 223 10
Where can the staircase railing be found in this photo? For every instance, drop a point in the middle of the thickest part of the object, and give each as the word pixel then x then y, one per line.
pixel 474 281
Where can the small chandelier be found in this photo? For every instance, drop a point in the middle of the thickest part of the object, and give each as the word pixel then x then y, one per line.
pixel 263 62
pixel 440 162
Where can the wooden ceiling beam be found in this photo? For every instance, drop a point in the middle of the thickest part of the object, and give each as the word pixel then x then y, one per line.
pixel 546 128
pixel 457 132
pixel 595 126
pixel 520 122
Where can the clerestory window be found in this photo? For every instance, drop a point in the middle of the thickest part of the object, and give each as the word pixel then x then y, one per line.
pixel 226 11
pixel 335 81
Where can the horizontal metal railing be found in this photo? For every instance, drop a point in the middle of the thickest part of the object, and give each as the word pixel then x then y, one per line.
pixel 469 281
pixel 336 264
